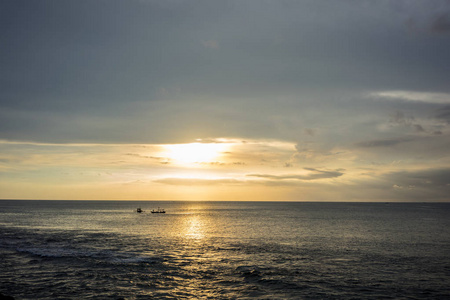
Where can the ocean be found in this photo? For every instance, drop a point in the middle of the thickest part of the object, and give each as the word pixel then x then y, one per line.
pixel 224 250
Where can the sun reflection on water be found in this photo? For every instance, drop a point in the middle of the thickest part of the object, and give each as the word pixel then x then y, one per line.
pixel 194 227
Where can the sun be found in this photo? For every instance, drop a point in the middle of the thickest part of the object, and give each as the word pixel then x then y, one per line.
pixel 194 152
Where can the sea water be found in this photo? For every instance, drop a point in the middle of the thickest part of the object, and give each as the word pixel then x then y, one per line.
pixel 224 250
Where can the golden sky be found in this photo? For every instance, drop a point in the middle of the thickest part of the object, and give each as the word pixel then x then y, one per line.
pixel 221 169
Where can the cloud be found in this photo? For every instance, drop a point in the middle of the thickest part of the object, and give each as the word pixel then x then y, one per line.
pixel 423 126
pixel 430 178
pixel 399 118
pixel 159 158
pixel 309 131
pixel 314 174
pixel 198 181
pixel 382 143
pixel 444 114
pixel 427 17
pixel 441 98
pixel 421 184
pixel 282 68
pixel 269 182
pixel 315 151
pixel 441 23
pixel 432 184
pixel 396 186
pixel 256 71
pixel 418 128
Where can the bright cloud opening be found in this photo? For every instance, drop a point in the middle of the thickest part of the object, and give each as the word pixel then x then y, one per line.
pixel 194 152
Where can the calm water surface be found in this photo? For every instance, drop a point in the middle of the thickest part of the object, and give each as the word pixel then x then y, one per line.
pixel 224 250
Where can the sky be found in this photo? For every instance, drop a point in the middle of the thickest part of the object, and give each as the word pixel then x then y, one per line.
pixel 225 100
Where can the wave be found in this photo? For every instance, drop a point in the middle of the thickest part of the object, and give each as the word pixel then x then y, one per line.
pixel 106 256
pixel 138 259
pixel 58 252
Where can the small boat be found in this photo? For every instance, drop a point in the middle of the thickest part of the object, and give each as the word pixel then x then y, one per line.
pixel 139 210
pixel 159 211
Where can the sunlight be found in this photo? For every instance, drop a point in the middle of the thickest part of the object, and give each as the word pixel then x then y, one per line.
pixel 194 228
pixel 195 152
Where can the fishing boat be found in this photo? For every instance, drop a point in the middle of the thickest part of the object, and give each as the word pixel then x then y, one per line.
pixel 139 210
pixel 159 211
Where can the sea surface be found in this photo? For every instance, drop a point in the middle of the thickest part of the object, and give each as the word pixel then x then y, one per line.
pixel 224 250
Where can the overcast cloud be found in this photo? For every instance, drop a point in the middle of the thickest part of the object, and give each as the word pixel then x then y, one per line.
pixel 352 85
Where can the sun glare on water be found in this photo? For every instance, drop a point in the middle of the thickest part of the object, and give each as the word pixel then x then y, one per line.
pixel 195 152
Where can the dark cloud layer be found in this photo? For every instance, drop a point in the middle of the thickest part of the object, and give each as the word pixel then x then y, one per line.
pixel 103 70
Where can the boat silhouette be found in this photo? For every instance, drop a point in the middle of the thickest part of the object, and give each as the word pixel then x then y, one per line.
pixel 159 211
